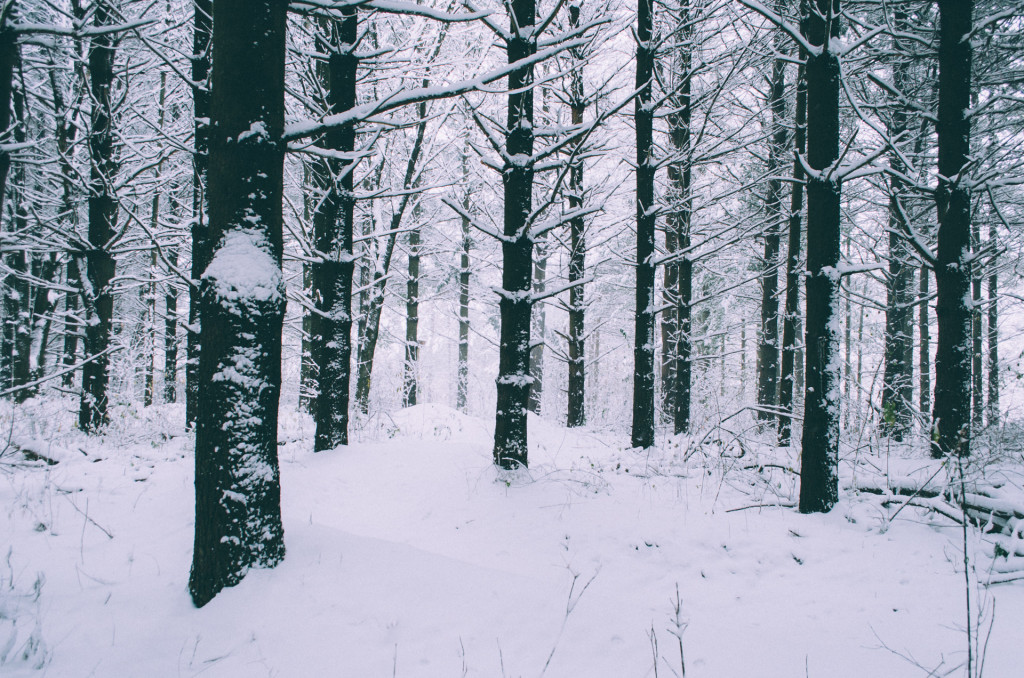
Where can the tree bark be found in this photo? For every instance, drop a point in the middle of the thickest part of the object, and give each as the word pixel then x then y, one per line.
pixel 333 234
pixel 462 386
pixel 680 177
pixel 515 303
pixel 643 336
pixel 993 336
pixel 171 333
pixel 538 327
pixel 768 344
pixel 791 317
pixel 98 299
pixel 952 407
pixel 412 317
pixel 8 60
pixel 897 382
pixel 201 59
pixel 576 397
pixel 819 472
pixel 238 514
pixel 924 351
pixel 977 357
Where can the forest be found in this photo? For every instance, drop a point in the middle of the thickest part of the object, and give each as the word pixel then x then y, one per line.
pixel 534 337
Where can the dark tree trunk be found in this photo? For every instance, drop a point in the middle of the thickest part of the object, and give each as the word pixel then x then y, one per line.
pixel 577 412
pixel 412 317
pixel 333 234
pixel 977 376
pixel 65 131
pixel 510 442
pixel 21 360
pixel 925 351
pixel 462 386
pixel 8 60
pixel 151 295
pixel 72 328
pixel 98 299
pixel 993 337
pixel 791 317
pixel 643 336
pixel 538 327
pixel 898 381
pixel 819 472
pixel 768 345
pixel 680 177
pixel 307 369
pixel 171 333
pixel 201 59
pixel 952 406
pixel 375 297
pixel 42 318
pixel 238 513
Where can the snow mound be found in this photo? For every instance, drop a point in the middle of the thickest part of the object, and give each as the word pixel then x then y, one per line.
pixel 431 421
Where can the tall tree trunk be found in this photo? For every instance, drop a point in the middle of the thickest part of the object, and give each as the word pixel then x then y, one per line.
pixel 154 222
pixel 375 298
pixel 993 336
pixel 643 336
pixel 201 247
pixel 412 316
pixel 680 177
pixel 576 397
pixel 72 328
pixel 171 333
pixel 307 369
pixel 8 60
pixel 669 322
pixel 768 344
pixel 42 318
pixel 462 385
pixel 515 303
pixel 333 235
pixel 98 298
pixel 65 132
pixel 977 376
pixel 952 406
pixel 238 512
pixel 898 383
pixel 791 317
pixel 819 471
pixel 23 263
pixel 925 352
pixel 538 327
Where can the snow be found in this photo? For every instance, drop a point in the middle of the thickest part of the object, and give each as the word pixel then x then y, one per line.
pixel 243 270
pixel 409 555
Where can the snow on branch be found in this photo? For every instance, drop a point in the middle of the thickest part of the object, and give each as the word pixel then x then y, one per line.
pixel 405 97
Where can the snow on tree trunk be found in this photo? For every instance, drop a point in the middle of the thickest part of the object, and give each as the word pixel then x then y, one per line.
pixel 819 482
pixel 333 235
pixel 576 397
pixel 898 384
pixel 791 317
pixel 952 406
pixel 768 344
pixel 643 337
pixel 993 335
pixel 515 299
pixel 97 296
pixel 238 515
pixel 680 177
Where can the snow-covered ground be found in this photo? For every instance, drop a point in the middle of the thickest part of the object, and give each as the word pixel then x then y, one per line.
pixel 408 555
